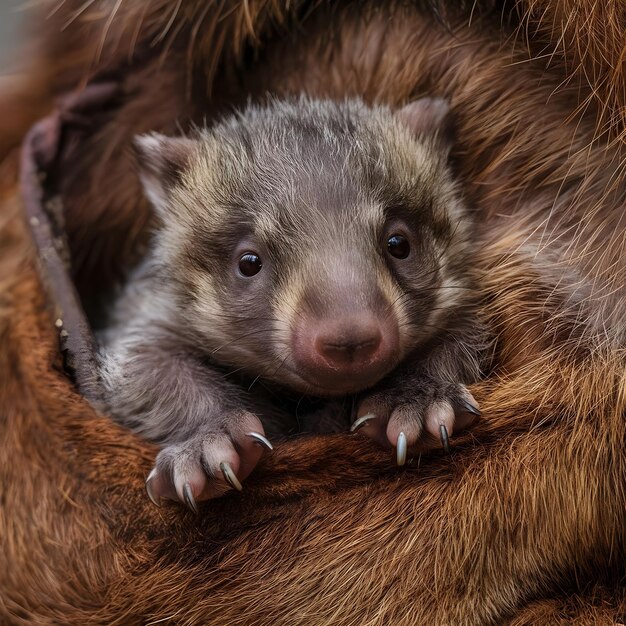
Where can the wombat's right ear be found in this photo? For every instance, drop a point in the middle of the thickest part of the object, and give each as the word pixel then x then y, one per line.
pixel 161 162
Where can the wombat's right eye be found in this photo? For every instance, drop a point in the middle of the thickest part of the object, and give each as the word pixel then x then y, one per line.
pixel 250 264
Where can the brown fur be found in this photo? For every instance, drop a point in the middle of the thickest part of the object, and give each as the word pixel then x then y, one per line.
pixel 530 506
pixel 588 39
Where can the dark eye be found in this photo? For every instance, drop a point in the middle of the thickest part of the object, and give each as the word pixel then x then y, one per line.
pixel 398 246
pixel 250 264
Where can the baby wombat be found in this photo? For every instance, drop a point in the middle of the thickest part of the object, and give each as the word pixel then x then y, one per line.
pixel 319 246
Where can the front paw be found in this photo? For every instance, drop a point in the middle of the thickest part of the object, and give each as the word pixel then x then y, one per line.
pixel 416 414
pixel 209 463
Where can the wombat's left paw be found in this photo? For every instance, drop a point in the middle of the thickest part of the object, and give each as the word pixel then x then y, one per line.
pixel 416 414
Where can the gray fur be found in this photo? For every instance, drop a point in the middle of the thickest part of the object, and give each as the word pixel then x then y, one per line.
pixel 312 185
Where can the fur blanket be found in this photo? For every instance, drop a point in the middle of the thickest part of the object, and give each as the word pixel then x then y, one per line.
pixel 525 523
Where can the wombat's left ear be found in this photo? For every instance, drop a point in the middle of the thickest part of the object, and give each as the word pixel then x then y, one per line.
pixel 429 118
pixel 161 162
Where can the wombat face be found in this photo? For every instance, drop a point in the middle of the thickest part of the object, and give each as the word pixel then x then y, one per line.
pixel 310 242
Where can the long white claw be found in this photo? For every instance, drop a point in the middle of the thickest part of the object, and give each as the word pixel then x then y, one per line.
pixel 189 499
pixel 260 439
pixel 401 450
pixel 361 422
pixel 153 497
pixel 230 476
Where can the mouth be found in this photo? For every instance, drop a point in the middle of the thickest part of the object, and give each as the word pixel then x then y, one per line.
pixel 340 385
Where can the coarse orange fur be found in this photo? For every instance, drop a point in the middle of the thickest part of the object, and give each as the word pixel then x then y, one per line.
pixel 525 522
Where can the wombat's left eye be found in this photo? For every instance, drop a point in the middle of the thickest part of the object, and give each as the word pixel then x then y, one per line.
pixel 398 246
pixel 250 264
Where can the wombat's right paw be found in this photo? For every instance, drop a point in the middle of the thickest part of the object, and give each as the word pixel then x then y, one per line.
pixel 209 463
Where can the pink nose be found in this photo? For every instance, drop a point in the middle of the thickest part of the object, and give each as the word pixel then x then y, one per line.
pixel 345 346
pixel 345 353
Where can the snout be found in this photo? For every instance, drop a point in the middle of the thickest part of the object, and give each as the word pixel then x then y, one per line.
pixel 348 343
pixel 345 354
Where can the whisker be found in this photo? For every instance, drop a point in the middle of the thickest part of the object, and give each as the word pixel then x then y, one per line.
pixel 254 381
pixel 279 365
pixel 236 339
pixel 227 374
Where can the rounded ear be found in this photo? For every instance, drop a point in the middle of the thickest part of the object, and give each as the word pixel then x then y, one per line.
pixel 162 160
pixel 429 118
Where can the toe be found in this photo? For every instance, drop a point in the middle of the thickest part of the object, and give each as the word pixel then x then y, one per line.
pixel 190 482
pixel 230 477
pixel 439 414
pixel 467 410
pixel 249 441
pixel 215 454
pixel 371 420
pixel 406 420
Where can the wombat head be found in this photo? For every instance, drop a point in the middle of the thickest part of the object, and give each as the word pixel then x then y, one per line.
pixel 311 242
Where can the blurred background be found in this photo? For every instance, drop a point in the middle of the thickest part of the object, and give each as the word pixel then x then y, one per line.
pixel 11 14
